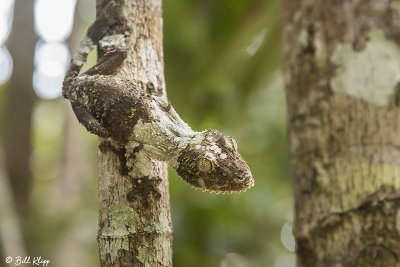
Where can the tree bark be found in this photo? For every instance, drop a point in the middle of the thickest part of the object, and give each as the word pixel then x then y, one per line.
pixel 342 63
pixel 135 227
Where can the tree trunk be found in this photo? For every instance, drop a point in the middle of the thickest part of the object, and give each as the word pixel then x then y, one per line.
pixel 19 104
pixel 135 227
pixel 342 64
pixel 11 235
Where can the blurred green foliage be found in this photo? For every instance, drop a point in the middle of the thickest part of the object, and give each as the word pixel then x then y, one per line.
pixel 223 71
pixel 217 78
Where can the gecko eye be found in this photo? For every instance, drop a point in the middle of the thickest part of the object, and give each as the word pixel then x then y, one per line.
pixel 204 165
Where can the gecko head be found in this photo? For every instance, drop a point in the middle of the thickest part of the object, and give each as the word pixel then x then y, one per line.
pixel 215 165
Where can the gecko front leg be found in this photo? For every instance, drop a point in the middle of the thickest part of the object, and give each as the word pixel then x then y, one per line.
pixel 108 66
pixel 86 119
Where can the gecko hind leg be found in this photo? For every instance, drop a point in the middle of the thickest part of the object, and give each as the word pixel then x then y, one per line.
pixel 110 63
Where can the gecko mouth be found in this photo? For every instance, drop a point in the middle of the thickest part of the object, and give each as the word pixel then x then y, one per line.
pixel 248 186
pixel 235 189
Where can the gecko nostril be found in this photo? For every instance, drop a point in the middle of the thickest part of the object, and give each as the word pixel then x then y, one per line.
pixel 242 177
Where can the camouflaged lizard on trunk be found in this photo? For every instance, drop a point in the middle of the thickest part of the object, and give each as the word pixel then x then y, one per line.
pixel 133 115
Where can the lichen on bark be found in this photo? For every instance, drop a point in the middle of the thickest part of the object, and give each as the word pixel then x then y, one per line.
pixel 359 73
pixel 341 78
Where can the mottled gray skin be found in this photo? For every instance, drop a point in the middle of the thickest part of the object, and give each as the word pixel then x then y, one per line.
pixel 131 112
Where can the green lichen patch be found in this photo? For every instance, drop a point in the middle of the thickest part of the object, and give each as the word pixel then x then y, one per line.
pixel 132 113
pixel 370 74
pixel 123 221
pixel 146 255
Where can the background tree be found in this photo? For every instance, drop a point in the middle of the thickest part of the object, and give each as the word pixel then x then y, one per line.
pixel 342 70
pixel 16 129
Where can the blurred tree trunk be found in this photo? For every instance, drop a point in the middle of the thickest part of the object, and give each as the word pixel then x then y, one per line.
pixel 11 236
pixel 70 251
pixel 342 64
pixel 19 104
pixel 135 226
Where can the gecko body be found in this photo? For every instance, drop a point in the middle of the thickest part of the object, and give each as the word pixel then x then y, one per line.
pixel 133 113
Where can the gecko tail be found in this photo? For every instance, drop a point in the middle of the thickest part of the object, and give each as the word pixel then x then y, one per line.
pixel 96 31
